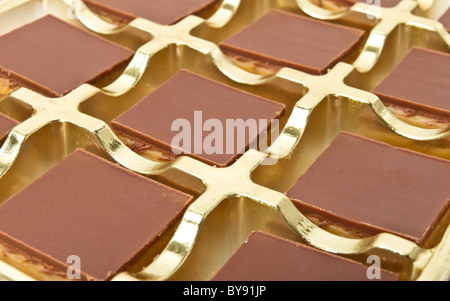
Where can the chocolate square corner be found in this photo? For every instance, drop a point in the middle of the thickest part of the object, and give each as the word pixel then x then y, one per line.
pixel 53 57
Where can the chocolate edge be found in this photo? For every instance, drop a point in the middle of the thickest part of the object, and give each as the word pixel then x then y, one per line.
pixel 261 58
pixel 117 126
pixel 21 81
pixel 338 220
pixel 49 263
pixel 121 17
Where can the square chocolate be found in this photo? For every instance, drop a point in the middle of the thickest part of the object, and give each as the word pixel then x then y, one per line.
pixel 372 187
pixel 89 208
pixel 288 40
pixel 203 110
pixel 6 125
pixel 419 82
pixel 160 11
pixel 445 20
pixel 265 257
pixel 53 57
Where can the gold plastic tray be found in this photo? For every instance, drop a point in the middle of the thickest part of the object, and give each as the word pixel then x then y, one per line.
pixel 249 195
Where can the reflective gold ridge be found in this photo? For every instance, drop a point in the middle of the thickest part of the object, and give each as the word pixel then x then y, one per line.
pixel 8 273
pixel 220 184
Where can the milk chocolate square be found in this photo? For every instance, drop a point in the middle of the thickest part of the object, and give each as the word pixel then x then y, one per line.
pixel 264 257
pixel 445 19
pixel 89 208
pixel 204 109
pixel 420 82
pixel 288 40
pixel 373 187
pixel 160 11
pixel 53 57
